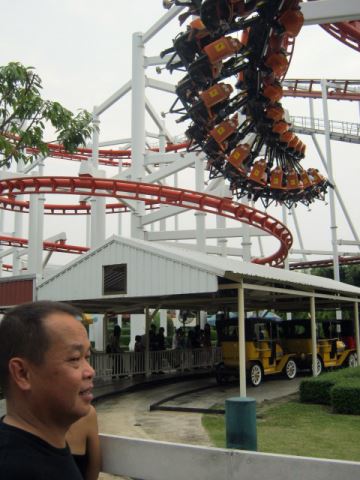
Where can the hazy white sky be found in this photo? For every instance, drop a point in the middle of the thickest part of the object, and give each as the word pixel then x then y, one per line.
pixel 82 51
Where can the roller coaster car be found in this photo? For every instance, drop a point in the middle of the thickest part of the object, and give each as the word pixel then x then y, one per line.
pixel 264 355
pixel 277 63
pixel 332 352
pixel 292 181
pixel 203 72
pixel 186 46
pixel 273 92
pixel 291 21
pixel 211 102
pixel 194 7
pixel 187 92
pixel 258 174
pixel 239 156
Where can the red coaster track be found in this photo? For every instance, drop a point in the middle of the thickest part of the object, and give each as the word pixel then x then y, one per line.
pixel 145 192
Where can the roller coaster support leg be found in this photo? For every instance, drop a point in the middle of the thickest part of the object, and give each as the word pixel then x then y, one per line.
pixel 138 108
pixel 200 216
pixel 333 225
pixel 35 249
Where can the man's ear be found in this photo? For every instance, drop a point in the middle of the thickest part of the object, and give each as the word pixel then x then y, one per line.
pixel 19 371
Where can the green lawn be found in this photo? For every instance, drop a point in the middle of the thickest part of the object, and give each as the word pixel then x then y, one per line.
pixel 296 428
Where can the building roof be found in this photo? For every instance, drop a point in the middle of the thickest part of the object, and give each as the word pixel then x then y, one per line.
pixel 172 277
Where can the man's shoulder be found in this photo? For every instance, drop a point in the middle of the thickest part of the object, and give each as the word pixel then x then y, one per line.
pixel 23 455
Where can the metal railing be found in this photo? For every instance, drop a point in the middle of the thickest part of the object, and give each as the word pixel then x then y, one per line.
pixel 346 131
pixel 108 365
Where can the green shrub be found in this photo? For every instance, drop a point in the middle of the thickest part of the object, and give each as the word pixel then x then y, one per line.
pixel 317 389
pixel 345 396
pixel 340 389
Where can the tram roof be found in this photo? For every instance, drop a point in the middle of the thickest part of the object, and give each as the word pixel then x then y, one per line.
pixel 166 276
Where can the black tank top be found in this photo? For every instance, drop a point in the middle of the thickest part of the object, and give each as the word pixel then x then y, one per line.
pixel 81 462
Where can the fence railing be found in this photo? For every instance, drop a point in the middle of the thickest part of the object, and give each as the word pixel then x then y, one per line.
pixel 154 460
pixel 108 365
pixel 336 126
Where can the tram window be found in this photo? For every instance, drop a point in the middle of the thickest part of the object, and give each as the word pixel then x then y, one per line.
pixel 299 331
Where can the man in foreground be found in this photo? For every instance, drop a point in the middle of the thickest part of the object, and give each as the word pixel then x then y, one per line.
pixel 47 383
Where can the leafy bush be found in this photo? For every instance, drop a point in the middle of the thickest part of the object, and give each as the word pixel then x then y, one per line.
pixel 341 389
pixel 345 397
pixel 317 389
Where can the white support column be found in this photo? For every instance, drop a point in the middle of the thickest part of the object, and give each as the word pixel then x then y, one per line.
pixel 120 215
pixel 357 335
pixel 18 227
pixel 221 242
pixel 98 204
pixel 333 225
pixel 147 342
pixel 98 215
pixel 138 126
pixel 95 140
pixel 285 222
pixel 242 347
pixel 163 320
pixel 200 216
pixel 176 217
pixel 246 239
pixel 138 106
pixel 36 227
pixel 137 327
pixel 162 149
pixel 313 336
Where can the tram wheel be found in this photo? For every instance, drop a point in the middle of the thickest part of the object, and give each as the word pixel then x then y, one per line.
pixel 255 374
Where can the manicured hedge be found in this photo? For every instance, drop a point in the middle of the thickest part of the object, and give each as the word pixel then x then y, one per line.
pixel 340 389
pixel 317 389
pixel 345 397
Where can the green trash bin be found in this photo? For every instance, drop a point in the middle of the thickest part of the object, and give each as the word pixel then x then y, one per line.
pixel 240 417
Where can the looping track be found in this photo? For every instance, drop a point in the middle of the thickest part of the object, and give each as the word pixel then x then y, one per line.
pixel 155 194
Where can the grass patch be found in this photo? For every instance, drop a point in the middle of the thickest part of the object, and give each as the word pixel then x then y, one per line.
pixel 294 428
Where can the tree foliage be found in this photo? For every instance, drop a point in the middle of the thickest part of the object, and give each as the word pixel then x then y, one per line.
pixel 24 116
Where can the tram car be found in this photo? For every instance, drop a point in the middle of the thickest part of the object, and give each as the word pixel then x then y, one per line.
pixel 335 343
pixel 264 354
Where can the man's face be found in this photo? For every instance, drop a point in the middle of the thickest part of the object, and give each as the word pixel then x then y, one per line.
pixel 61 386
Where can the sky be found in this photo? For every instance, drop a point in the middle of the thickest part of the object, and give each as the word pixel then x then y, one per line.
pixel 82 51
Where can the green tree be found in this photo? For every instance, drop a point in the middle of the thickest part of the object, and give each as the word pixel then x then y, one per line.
pixel 24 116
